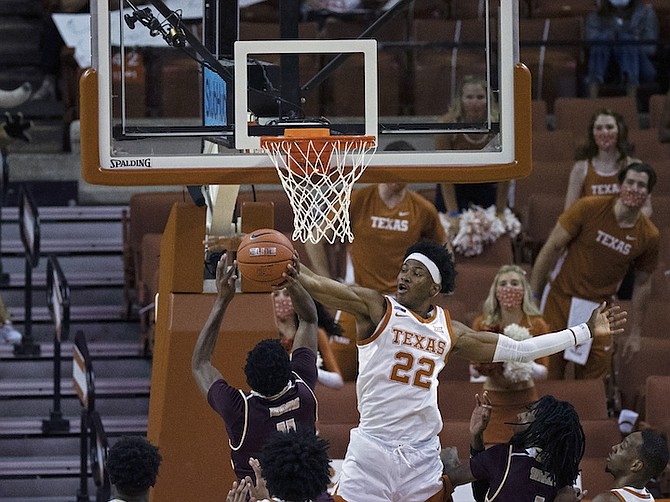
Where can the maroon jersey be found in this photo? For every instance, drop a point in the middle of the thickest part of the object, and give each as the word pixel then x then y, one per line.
pixel 513 475
pixel 251 418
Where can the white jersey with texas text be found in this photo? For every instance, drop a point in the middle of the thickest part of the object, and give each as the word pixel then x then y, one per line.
pixel 397 378
pixel 630 494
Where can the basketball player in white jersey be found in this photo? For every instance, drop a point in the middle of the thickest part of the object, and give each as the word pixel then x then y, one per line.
pixel 403 343
pixel 640 457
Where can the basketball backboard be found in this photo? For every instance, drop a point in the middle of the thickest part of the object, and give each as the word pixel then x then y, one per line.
pixel 160 107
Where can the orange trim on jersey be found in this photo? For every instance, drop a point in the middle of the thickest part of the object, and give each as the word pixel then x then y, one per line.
pixel 423 320
pixel 381 326
pixel 338 498
pixel 635 493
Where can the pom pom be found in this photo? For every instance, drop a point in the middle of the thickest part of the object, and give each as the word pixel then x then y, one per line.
pixel 517 372
pixel 479 227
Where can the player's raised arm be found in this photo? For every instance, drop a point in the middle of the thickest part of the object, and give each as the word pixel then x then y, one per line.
pixel 482 346
pixel 204 372
pixel 303 306
pixel 364 303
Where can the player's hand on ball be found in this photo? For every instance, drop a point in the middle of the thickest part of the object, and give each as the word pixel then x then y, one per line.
pixel 225 278
pixel 606 321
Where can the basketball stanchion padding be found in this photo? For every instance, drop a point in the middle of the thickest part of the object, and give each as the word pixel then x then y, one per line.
pixel 264 255
pixel 318 171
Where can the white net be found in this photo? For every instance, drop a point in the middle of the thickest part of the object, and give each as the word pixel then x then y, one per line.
pixel 318 175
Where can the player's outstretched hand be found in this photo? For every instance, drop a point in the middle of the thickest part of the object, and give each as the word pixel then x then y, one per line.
pixel 290 277
pixel 259 491
pixel 225 278
pixel 239 492
pixel 606 321
pixel 479 420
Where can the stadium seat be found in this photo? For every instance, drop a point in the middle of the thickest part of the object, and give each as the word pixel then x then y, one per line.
pixel 473 281
pixel 652 359
pixel 656 105
pixel 600 436
pixel 456 399
pixel 540 219
pixel 148 213
pixel 562 8
pixel 587 396
pixel 575 113
pixel 539 110
pixel 554 146
pixel 658 403
pixel 546 49
pixel 649 149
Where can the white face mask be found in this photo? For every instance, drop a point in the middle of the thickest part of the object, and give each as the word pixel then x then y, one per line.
pixel 619 3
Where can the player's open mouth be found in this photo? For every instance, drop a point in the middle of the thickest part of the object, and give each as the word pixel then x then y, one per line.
pixel 402 287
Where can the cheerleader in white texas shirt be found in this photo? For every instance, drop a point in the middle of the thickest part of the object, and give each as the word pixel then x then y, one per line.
pixel 403 343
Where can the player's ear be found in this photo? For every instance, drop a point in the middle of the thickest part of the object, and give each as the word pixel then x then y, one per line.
pixel 637 465
pixel 435 289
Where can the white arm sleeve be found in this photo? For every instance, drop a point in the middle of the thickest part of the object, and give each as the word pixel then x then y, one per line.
pixel 330 379
pixel 527 350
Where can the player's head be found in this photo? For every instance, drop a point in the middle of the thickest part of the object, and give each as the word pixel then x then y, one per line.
pixel 132 463
pixel 431 265
pixel 510 290
pixel 607 129
pixel 295 465
pixel 642 455
pixel 553 426
pixel 627 174
pixel 267 368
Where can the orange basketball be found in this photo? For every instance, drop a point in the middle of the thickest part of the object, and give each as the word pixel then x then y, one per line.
pixel 263 256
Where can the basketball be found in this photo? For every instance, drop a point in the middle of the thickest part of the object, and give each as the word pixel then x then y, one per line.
pixel 263 256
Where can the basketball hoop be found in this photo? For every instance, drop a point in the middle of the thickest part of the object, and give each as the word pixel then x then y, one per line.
pixel 318 172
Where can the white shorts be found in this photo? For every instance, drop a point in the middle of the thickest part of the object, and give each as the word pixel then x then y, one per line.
pixel 374 470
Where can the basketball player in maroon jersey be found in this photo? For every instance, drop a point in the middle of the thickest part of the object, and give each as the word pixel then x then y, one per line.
pixel 282 396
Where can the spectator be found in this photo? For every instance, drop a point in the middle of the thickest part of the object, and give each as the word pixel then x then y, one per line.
pixel 470 107
pixel 510 309
pixel 620 21
pixel 540 460
pixel 287 322
pixel 7 330
pixel 605 153
pixel 388 217
pixel 603 236
pixel 634 462
pixel 274 379
pixel 403 345
pixel 132 464
pixel 51 44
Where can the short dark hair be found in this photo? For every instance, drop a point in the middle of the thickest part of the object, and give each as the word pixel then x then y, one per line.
pixel 295 465
pixel 653 452
pixel 441 257
pixel 639 167
pixel 268 367
pixel 132 464
pixel 558 431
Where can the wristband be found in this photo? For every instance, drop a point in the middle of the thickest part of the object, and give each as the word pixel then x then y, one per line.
pixel 581 333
